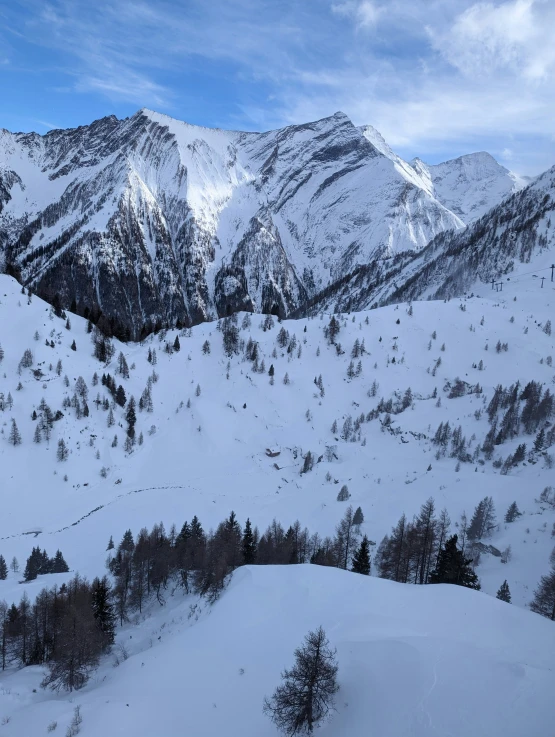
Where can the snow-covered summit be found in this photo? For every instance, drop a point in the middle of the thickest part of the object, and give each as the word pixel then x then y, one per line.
pixel 470 185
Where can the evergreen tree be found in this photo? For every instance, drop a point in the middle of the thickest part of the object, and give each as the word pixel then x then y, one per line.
pixel 452 567
pixel 544 596
pixel 346 535
pixel 127 543
pixel 176 344
pixel 306 696
pixel 343 494
pixel 73 346
pixel 358 519
pixel 131 417
pixel 14 437
pixel 3 569
pixel 58 564
pixel 37 437
pixel 512 513
pixel 504 594
pixel 483 519
pixel 33 565
pixel 120 396
pixel 62 453
pixel 539 441
pixel 103 610
pixel 332 330
pixel 308 463
pixel 361 559
pixel 123 368
pixel 110 543
pixel 248 544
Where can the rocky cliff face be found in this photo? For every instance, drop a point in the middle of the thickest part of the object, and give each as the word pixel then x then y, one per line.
pixel 149 221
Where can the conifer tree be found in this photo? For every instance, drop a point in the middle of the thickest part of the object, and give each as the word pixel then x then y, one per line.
pixel 503 593
pixel 358 519
pixel 539 441
pixel 176 344
pixel 308 463
pixel 62 453
pixel 332 331
pixel 512 513
pixel 346 535
pixel 131 417
pixel 483 519
pixel 361 559
pixel 14 437
pixel 3 569
pixel 544 596
pixel 110 543
pixel 123 368
pixel 248 544
pixel 58 564
pixel 103 610
pixel 120 396
pixel 343 494
pixel 33 565
pixel 306 696
pixel 452 567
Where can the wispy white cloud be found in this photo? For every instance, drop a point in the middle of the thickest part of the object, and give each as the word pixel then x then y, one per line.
pixel 515 36
pixel 364 13
pixel 432 75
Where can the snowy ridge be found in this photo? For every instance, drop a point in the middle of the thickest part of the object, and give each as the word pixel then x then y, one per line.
pixel 396 649
pixel 140 221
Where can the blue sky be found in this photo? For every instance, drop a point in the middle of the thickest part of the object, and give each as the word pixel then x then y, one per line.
pixel 437 78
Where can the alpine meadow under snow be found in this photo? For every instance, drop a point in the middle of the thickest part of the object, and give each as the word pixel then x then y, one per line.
pixel 220 489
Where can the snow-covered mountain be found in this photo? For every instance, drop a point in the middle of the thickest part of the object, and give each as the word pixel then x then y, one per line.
pixel 470 185
pixel 513 240
pixel 150 221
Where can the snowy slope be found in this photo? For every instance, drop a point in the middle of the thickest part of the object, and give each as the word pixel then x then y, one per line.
pixel 182 470
pixel 149 220
pixel 397 644
pixel 406 667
